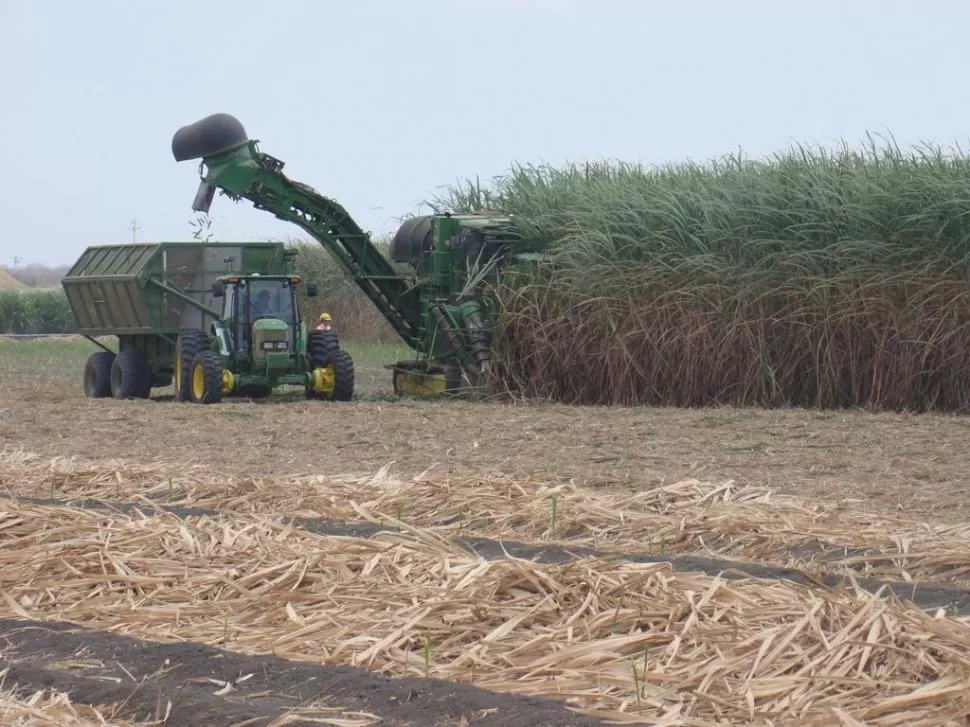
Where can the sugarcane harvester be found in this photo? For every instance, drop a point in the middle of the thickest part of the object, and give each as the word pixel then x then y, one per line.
pixel 438 304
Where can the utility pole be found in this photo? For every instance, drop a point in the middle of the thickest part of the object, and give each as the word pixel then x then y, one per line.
pixel 16 261
pixel 134 228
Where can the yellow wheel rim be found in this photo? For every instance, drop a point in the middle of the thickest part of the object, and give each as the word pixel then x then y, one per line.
pixel 198 382
pixel 324 380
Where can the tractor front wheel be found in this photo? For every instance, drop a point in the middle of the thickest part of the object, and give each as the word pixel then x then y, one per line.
pixel 205 386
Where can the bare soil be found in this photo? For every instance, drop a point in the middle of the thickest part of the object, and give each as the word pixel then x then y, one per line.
pixel 896 464
pixel 103 668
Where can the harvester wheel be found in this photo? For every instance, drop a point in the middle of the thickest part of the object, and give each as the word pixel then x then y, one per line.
pixel 453 377
pixel 97 375
pixel 206 381
pixel 130 376
pixel 188 345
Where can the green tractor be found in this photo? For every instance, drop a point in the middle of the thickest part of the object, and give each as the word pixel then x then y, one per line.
pixel 185 314
pixel 259 343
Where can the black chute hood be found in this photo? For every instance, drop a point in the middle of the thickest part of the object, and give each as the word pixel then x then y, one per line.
pixel 209 136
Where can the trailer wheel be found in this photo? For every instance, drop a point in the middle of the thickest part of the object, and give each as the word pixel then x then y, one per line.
pixel 187 347
pixel 130 376
pixel 97 375
pixel 206 382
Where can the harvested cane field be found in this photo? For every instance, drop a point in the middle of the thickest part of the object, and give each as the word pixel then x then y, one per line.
pixel 811 279
pixel 393 562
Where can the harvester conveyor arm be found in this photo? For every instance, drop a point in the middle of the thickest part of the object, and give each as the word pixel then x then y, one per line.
pixel 235 165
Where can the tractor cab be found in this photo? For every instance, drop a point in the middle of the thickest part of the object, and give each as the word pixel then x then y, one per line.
pixel 260 322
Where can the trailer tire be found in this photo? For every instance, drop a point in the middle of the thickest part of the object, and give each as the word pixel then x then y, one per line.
pixel 188 345
pixel 206 381
pixel 130 376
pixel 97 375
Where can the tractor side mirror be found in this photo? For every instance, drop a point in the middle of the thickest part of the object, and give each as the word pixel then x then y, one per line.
pixel 218 289
pixel 311 290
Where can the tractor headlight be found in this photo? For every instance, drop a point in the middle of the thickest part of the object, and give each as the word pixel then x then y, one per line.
pixel 281 345
pixel 268 345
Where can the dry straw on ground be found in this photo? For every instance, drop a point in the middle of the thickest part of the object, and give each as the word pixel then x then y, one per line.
pixel 628 642
pixel 711 519
pixel 45 709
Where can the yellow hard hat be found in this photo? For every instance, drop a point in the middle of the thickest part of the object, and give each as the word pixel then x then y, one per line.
pixel 325 317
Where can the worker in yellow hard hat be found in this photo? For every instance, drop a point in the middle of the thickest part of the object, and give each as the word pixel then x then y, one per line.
pixel 325 323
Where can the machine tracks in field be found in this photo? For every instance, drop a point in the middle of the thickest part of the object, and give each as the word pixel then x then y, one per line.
pixel 926 595
pixel 203 686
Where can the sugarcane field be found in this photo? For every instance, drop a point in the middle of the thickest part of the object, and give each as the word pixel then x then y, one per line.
pixel 544 367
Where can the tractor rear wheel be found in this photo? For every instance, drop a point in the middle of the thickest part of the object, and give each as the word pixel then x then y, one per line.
pixel 130 376
pixel 322 344
pixel 206 381
pixel 343 367
pixel 97 375
pixel 188 345
pixel 336 367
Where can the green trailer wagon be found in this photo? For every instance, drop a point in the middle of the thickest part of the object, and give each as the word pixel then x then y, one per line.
pixel 214 319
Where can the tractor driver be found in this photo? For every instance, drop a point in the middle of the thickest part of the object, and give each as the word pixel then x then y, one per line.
pixel 261 306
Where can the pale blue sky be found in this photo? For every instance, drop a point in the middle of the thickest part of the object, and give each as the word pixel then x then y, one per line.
pixel 379 104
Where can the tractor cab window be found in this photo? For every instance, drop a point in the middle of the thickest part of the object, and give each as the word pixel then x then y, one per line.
pixel 270 299
pixel 229 302
pixel 253 299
